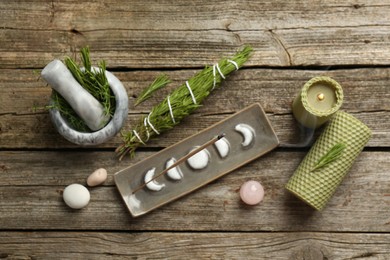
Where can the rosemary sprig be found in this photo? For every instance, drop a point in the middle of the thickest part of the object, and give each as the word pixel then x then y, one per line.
pixel 333 154
pixel 95 82
pixel 160 82
pixel 180 103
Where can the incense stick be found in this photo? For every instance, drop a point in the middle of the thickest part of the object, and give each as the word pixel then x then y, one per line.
pixel 200 148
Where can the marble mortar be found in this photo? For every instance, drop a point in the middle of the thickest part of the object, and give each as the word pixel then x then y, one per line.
pixel 103 134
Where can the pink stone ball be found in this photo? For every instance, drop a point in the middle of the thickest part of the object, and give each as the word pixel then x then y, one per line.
pixel 251 192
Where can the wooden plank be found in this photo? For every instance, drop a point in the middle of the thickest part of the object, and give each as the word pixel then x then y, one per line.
pixel 89 15
pixel 252 245
pixel 366 96
pixel 365 90
pixel 173 49
pixel 37 132
pixel 127 34
pixel 31 185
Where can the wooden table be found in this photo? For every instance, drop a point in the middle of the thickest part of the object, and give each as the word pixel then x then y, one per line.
pixel 293 41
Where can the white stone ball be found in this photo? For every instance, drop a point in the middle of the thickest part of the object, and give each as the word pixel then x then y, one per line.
pixel 76 196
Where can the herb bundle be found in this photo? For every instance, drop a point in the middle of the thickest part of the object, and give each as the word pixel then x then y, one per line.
pixel 180 102
pixel 94 81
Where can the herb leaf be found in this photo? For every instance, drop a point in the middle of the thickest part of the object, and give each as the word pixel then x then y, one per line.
pixel 333 154
pixel 160 82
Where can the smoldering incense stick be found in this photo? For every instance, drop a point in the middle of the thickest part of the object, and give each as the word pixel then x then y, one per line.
pixel 200 148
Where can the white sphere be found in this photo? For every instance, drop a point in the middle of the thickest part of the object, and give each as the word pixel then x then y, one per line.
pixel 76 196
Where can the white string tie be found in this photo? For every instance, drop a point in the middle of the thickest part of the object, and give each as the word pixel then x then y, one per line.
pixel 170 110
pixel 220 72
pixel 234 63
pixel 146 127
pixel 192 94
pixel 215 80
pixel 139 138
pixel 150 124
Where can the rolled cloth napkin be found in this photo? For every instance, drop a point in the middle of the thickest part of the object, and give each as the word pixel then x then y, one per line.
pixel 316 186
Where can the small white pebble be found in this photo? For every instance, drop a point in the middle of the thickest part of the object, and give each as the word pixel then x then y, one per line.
pixel 134 201
pixel 97 177
pixel 223 147
pixel 199 160
pixel 76 196
pixel 247 132
pixel 152 185
pixel 174 173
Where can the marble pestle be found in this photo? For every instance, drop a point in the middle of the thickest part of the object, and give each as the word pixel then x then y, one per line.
pixel 83 103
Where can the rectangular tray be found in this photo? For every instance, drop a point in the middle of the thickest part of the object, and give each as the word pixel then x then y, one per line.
pixel 145 200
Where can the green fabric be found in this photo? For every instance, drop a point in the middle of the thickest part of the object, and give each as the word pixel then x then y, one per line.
pixel 317 187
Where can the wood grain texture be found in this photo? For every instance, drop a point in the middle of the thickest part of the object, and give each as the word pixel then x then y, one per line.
pixel 366 93
pixel 293 41
pixel 32 182
pixel 168 34
pixel 251 245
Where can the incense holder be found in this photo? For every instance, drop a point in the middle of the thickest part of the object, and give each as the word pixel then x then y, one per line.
pixel 255 138
pixel 316 186
pixel 85 105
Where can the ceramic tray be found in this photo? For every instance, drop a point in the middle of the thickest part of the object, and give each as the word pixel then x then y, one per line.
pixel 241 151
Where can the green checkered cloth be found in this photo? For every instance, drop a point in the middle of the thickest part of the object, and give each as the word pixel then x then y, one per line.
pixel 317 187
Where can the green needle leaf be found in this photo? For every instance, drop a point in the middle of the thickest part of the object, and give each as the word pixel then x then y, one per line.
pixel 333 154
pixel 160 82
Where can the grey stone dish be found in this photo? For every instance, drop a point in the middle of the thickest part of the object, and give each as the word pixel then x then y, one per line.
pixel 145 200
pixel 103 134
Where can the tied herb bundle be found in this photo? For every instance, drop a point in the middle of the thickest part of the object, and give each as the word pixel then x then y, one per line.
pixel 180 103
pixel 94 81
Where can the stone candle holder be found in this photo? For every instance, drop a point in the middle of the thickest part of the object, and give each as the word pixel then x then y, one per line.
pixel 85 105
